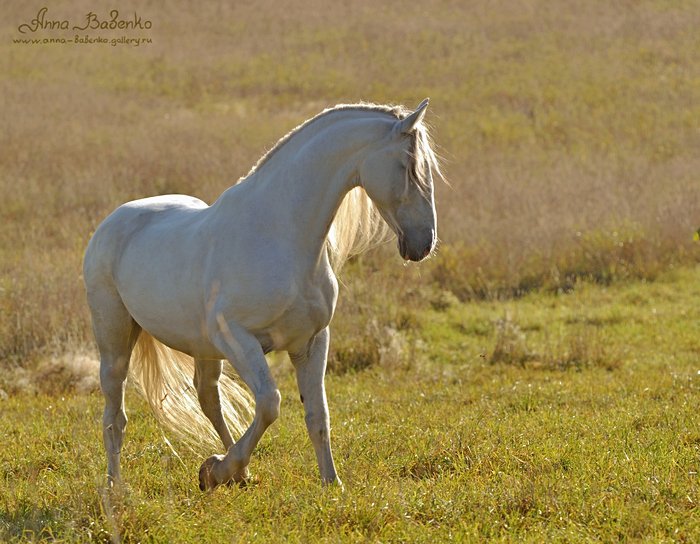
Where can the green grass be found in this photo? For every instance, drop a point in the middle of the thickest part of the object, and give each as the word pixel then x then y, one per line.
pixel 446 445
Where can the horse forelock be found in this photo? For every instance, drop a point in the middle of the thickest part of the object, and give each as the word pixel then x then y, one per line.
pixel 424 165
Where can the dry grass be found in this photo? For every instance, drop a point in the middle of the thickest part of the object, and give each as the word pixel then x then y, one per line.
pixel 578 348
pixel 570 136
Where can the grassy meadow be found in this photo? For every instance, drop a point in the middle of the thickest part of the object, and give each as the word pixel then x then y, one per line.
pixel 536 380
pixel 551 418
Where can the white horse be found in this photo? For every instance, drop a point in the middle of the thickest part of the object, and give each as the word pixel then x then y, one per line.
pixel 252 273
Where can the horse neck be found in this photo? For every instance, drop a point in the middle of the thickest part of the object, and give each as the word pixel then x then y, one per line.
pixel 303 183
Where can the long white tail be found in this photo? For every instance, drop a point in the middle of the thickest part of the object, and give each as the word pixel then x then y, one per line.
pixel 164 377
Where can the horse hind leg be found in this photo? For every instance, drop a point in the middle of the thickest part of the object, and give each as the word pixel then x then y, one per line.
pixel 245 354
pixel 206 381
pixel 116 333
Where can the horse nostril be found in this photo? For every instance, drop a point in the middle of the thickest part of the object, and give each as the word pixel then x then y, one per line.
pixel 402 247
pixel 426 252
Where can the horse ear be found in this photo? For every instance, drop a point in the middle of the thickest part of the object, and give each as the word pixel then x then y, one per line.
pixel 409 124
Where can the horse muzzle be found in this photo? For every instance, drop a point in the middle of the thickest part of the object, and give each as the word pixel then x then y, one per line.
pixel 416 248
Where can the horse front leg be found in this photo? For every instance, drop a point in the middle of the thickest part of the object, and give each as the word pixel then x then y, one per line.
pixel 245 354
pixel 310 367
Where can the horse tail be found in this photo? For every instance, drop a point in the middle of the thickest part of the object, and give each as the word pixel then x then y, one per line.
pixel 164 377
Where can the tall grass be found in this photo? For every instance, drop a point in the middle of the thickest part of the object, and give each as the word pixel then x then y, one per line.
pixel 569 135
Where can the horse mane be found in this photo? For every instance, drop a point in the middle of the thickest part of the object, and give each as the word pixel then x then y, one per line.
pixel 358 225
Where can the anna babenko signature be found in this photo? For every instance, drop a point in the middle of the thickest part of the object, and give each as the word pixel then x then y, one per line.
pixel 91 22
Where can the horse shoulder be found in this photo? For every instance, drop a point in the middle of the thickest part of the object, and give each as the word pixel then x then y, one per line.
pixel 318 298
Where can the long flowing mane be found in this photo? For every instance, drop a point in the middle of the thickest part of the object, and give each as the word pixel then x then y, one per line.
pixel 358 226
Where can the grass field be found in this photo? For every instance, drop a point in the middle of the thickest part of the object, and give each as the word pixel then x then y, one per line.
pixel 536 380
pixel 592 437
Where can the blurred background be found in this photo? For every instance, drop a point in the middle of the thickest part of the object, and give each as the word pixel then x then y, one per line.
pixel 569 134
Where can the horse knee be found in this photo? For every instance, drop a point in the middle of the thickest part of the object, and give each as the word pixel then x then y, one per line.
pixel 318 426
pixel 268 406
pixel 114 420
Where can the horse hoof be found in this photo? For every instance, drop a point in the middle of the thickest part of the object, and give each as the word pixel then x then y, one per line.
pixel 335 483
pixel 207 478
pixel 113 481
